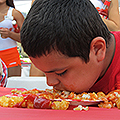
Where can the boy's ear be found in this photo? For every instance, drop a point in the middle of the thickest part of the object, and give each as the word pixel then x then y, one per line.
pixel 98 48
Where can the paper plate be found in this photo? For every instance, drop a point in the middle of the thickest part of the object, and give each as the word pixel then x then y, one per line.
pixel 81 102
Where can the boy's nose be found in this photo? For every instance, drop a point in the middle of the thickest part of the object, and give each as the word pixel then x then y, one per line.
pixel 52 80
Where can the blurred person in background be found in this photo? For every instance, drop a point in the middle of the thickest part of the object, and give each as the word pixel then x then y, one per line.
pixel 11 21
pixel 113 21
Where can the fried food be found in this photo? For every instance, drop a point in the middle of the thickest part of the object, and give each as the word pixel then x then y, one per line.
pixel 58 100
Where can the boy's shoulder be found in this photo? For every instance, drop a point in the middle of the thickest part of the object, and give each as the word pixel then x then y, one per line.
pixel 116 33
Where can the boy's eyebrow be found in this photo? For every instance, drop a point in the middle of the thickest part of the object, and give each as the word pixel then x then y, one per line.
pixel 56 69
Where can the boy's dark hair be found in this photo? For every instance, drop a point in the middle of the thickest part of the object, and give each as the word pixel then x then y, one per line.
pixel 67 26
pixel 10 3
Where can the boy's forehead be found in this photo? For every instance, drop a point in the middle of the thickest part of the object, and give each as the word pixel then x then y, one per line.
pixel 49 64
pixel 52 55
pixel 49 58
pixel 54 62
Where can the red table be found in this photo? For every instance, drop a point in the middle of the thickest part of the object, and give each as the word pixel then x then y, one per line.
pixel 94 113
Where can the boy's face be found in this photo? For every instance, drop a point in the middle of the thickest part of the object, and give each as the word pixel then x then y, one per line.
pixel 68 73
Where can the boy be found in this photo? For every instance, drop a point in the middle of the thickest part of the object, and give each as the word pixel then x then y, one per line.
pixel 69 42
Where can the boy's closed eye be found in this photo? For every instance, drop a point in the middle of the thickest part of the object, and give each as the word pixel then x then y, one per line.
pixel 62 73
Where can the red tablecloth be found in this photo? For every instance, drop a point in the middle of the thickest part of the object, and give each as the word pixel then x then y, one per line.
pixel 94 113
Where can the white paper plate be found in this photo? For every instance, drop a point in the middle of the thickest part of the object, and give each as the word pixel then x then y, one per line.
pixel 81 102
pixel 72 101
